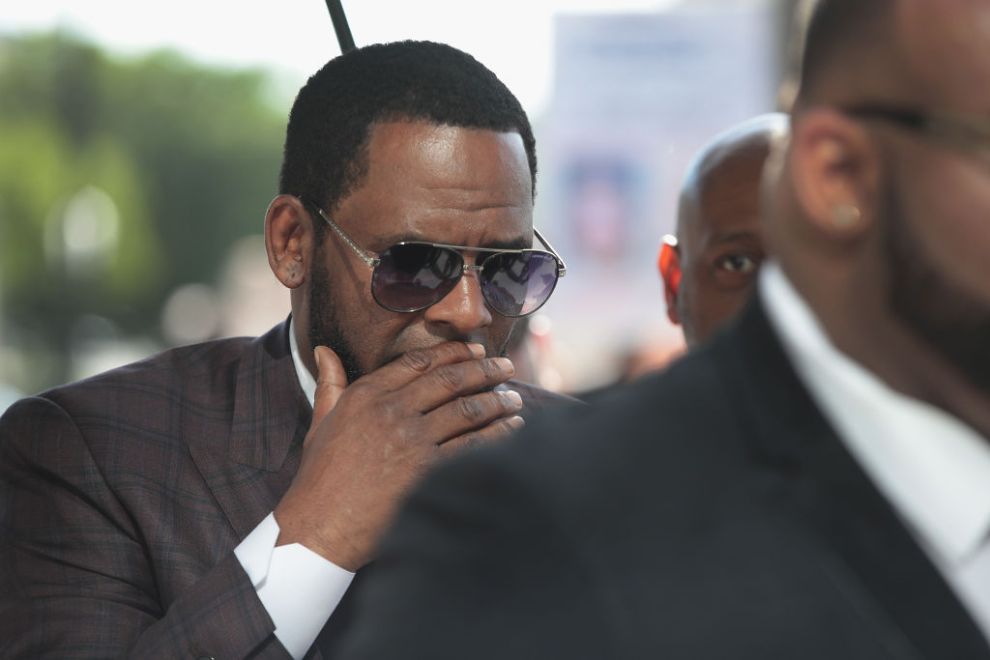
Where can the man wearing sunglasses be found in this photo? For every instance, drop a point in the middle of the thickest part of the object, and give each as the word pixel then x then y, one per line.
pixel 812 483
pixel 709 269
pixel 217 500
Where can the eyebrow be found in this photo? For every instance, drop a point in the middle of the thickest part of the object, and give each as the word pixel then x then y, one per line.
pixel 733 236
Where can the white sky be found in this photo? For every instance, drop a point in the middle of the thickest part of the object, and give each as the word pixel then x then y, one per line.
pixel 295 37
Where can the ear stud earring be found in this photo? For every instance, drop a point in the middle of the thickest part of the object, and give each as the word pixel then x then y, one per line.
pixel 846 216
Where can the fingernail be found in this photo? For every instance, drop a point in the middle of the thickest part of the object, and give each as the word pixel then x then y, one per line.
pixel 512 398
pixel 516 422
pixel 505 365
pixel 477 350
pixel 316 356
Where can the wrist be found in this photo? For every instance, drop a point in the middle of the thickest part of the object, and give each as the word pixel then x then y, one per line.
pixel 319 534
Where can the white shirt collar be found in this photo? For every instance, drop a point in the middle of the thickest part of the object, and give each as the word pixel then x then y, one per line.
pixel 306 380
pixel 932 467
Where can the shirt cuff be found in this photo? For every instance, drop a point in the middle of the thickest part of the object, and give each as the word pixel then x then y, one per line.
pixel 299 588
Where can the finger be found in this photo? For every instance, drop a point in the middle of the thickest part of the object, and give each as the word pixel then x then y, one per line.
pixel 448 382
pixel 414 364
pixel 331 381
pixel 494 432
pixel 468 413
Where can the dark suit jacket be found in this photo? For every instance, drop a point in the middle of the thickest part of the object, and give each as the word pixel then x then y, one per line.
pixel 122 498
pixel 708 512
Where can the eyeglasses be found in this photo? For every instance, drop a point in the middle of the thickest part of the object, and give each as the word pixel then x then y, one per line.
pixel 412 275
pixel 968 132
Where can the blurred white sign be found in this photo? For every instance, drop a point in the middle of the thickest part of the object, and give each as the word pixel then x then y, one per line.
pixel 634 97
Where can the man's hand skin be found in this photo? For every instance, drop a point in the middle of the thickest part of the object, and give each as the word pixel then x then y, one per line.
pixel 370 440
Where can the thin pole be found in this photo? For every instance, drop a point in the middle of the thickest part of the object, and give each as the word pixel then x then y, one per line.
pixel 340 26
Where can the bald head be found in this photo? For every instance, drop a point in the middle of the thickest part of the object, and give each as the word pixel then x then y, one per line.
pixel 719 246
pixel 726 169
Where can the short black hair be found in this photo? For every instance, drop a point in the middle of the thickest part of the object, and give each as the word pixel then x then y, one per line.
pixel 836 33
pixel 330 124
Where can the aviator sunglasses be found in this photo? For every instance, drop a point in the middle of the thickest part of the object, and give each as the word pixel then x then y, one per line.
pixel 412 275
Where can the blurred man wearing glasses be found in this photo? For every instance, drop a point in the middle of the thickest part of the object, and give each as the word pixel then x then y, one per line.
pixel 709 269
pixel 812 483
pixel 216 500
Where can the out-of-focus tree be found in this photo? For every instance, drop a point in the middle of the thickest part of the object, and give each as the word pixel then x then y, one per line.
pixel 120 179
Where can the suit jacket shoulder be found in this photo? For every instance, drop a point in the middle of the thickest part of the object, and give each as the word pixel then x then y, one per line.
pixel 123 496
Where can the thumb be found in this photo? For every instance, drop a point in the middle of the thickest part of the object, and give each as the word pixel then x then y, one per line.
pixel 330 382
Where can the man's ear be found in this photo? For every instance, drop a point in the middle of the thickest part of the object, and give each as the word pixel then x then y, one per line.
pixel 289 240
pixel 835 168
pixel 669 263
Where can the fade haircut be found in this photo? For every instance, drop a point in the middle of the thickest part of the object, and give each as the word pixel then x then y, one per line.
pixel 837 34
pixel 326 141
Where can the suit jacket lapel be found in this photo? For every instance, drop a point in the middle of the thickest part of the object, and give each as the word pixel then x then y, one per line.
pixel 871 558
pixel 249 469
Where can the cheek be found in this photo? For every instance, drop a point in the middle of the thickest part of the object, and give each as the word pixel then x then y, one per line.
pixel 715 307
pixel 371 331
pixel 949 213
pixel 713 304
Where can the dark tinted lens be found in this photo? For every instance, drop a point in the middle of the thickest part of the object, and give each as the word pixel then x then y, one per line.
pixel 414 276
pixel 516 284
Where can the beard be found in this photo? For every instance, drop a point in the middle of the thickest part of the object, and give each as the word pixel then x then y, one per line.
pixel 324 329
pixel 955 323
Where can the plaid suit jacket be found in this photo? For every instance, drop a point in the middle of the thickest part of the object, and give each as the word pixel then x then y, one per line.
pixel 122 498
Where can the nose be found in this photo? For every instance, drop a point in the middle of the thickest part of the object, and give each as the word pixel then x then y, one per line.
pixel 463 310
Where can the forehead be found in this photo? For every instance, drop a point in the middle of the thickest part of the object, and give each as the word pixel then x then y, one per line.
pixel 442 183
pixel 727 197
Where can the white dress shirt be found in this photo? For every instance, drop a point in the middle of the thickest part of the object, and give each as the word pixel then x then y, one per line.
pixel 299 588
pixel 933 468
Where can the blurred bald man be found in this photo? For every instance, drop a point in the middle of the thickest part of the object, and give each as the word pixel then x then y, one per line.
pixel 709 269
pixel 812 483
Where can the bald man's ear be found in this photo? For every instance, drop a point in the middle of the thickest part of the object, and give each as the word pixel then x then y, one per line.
pixel 289 240
pixel 835 170
pixel 669 263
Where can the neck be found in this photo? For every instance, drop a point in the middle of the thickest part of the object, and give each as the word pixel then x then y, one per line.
pixel 864 328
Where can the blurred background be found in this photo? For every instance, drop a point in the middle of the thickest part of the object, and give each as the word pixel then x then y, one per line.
pixel 140 145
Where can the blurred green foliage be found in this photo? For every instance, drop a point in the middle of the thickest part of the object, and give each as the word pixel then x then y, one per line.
pixel 188 155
